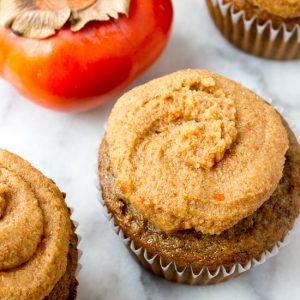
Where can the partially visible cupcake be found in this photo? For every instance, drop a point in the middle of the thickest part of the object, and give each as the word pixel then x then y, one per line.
pixel 201 175
pixel 269 29
pixel 38 245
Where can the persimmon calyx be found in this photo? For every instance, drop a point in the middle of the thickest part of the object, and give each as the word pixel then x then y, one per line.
pixel 42 18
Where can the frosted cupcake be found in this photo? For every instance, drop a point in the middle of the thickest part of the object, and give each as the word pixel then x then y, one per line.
pixel 270 29
pixel 38 246
pixel 201 176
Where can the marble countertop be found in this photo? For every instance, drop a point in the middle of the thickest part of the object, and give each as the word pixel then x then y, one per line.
pixel 64 147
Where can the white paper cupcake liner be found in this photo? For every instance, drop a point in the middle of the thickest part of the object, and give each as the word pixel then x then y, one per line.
pixel 248 35
pixel 79 251
pixel 171 271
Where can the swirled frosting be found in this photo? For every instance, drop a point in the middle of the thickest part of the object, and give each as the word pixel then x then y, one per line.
pixel 34 231
pixel 194 150
pixel 282 8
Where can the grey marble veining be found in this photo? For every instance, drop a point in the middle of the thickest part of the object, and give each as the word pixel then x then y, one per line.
pixel 64 147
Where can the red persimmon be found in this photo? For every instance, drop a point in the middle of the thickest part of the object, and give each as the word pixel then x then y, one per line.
pixel 76 71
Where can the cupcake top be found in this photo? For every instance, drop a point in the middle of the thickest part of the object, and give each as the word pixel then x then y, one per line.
pixel 34 231
pixel 194 150
pixel 282 8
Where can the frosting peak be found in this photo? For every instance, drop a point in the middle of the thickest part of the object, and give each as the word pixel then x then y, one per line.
pixel 201 139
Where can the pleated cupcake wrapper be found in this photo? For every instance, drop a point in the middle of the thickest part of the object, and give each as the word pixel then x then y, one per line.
pixel 187 275
pixel 76 224
pixel 250 36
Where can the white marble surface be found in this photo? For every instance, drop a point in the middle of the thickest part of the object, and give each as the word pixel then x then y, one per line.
pixel 64 147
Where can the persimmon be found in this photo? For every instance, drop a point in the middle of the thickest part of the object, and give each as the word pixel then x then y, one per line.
pixel 90 58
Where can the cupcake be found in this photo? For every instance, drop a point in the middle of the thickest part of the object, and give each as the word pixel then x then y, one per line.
pixel 38 246
pixel 200 176
pixel 269 29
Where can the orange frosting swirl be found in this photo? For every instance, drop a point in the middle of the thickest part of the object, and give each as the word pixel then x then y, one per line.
pixel 194 150
pixel 34 231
